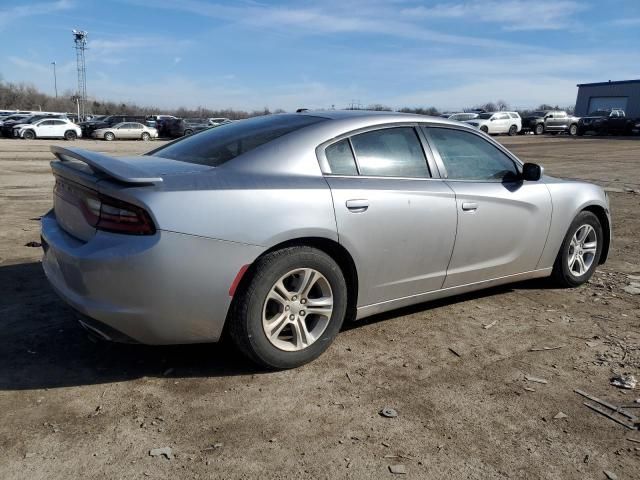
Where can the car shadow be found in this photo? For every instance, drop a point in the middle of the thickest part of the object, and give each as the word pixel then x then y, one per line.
pixel 42 345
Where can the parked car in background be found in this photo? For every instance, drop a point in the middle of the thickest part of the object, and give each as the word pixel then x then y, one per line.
pixel 495 123
pixel 271 229
pixel 460 116
pixel 194 125
pixel 215 121
pixel 126 131
pixel 604 122
pixel 109 121
pixel 9 126
pixel 171 127
pixel 10 118
pixel 550 121
pixel 49 128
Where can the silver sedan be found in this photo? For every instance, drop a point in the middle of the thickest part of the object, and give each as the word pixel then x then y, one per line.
pixel 278 228
pixel 126 131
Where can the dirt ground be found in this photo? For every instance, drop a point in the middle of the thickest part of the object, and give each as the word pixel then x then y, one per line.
pixel 71 408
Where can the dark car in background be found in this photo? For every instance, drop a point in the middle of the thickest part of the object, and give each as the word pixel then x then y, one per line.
pixel 194 125
pixel 550 121
pixel 171 127
pixel 604 122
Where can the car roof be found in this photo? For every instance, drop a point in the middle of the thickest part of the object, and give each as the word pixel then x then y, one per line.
pixel 375 117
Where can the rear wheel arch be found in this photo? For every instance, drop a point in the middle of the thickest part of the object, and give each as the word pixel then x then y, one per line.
pixel 600 212
pixel 332 248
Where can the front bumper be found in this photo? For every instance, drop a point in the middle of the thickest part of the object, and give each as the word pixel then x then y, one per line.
pixel 167 288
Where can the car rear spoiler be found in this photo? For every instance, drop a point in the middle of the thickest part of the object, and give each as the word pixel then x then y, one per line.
pixel 113 167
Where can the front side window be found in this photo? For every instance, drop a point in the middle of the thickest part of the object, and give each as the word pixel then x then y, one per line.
pixel 390 152
pixel 340 158
pixel 467 156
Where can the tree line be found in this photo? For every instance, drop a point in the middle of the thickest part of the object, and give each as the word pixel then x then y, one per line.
pixel 21 96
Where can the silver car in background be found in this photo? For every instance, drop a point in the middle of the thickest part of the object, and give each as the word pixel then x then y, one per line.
pixel 126 131
pixel 278 228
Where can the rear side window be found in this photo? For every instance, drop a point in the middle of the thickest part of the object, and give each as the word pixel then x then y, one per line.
pixel 390 152
pixel 340 158
pixel 221 144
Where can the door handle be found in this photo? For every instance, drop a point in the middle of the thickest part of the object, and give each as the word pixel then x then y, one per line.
pixel 357 205
pixel 469 206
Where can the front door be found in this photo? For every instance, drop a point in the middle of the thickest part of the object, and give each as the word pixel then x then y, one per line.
pixel 397 221
pixel 503 221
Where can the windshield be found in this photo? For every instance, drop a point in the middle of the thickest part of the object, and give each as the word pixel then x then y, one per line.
pixel 485 116
pixel 219 145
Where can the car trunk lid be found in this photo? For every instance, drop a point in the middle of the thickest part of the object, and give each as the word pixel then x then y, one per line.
pixel 80 177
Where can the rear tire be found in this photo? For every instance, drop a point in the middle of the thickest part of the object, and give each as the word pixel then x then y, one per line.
pixel 568 270
pixel 539 129
pixel 513 129
pixel 109 136
pixel 70 135
pixel 299 336
pixel 29 135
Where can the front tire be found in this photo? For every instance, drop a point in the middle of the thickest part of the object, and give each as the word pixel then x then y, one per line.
pixel 539 129
pixel 29 135
pixel 580 252
pixel 290 309
pixel 146 137
pixel 484 129
pixel 109 137
pixel 573 130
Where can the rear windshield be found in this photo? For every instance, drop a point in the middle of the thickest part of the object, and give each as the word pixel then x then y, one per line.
pixel 221 144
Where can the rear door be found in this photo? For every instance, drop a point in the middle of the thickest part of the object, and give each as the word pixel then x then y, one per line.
pixel 502 221
pixel 503 123
pixel 393 213
pixel 58 128
pixel 125 131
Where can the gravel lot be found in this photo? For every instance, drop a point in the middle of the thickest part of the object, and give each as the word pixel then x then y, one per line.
pixel 71 408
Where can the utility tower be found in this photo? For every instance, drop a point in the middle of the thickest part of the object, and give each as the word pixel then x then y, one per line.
pixel 80 39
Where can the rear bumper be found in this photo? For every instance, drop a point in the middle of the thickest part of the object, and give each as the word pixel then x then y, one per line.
pixel 167 288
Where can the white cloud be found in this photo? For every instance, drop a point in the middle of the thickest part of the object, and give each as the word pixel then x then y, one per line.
pixel 627 22
pixel 333 17
pixel 23 10
pixel 510 14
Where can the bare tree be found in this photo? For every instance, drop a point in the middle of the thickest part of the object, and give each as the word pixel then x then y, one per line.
pixel 379 107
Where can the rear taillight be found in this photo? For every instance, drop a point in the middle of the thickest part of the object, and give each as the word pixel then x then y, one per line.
pixel 106 213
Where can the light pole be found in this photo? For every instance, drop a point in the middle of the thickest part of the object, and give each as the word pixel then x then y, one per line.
pixel 55 78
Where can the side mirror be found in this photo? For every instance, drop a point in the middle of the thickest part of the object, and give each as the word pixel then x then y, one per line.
pixel 532 172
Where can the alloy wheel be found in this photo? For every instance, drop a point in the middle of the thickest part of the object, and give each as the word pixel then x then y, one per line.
pixel 297 309
pixel 582 250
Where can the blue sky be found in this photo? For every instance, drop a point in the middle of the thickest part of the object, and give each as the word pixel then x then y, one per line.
pixel 315 54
